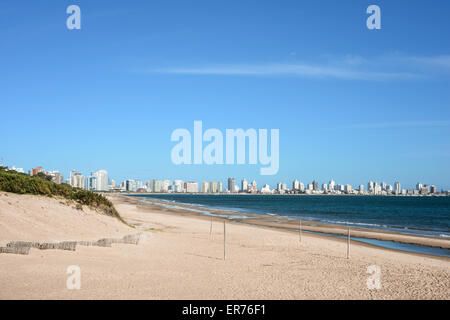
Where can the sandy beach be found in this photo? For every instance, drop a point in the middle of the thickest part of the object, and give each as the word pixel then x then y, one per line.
pixel 179 259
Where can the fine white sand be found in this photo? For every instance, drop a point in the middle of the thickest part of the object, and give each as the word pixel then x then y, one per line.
pixel 180 260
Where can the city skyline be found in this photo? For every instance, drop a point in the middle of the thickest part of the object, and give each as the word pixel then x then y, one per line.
pixel 100 180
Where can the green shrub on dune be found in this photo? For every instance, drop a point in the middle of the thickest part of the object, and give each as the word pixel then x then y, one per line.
pixel 14 182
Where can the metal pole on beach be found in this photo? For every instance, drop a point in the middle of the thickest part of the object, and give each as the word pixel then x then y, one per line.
pixel 224 238
pixel 348 243
pixel 300 230
pixel 210 228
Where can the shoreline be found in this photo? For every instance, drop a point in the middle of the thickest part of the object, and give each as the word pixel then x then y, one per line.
pixel 326 230
pixel 282 194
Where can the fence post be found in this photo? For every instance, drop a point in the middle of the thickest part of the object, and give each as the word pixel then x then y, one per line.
pixel 348 243
pixel 300 231
pixel 224 238
pixel 210 228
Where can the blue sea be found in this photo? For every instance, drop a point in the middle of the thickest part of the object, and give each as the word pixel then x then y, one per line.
pixel 428 216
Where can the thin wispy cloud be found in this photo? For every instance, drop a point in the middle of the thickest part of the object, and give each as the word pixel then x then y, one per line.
pixel 349 67
pixel 442 61
pixel 304 70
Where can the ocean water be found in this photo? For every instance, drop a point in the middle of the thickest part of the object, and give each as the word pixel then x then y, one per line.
pixel 429 216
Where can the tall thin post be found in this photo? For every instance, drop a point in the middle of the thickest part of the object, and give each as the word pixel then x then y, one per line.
pixel 224 238
pixel 300 231
pixel 210 228
pixel 348 243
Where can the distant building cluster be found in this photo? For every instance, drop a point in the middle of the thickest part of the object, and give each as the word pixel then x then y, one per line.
pixel 373 188
pixel 169 186
pixel 178 186
pixel 55 176
pixel 99 181
pixel 298 187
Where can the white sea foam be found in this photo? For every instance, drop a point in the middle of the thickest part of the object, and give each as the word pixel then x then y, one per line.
pixel 354 223
pixel 207 213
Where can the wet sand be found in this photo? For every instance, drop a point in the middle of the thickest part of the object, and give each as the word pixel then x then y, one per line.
pixel 293 225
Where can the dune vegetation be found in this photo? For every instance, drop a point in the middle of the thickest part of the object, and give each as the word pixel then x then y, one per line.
pixel 15 182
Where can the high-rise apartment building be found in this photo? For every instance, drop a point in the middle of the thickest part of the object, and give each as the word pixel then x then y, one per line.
pixel 166 185
pixel 296 185
pixel 302 187
pixel 102 180
pixel 91 183
pixel 252 187
pixel 244 185
pixel 315 185
pixel 77 180
pixel 231 185
pixel 213 187
pixel 370 187
pixel 178 186
pixel 425 190
pixel 36 170
pixel 156 185
pixel 56 176
pixel 279 187
pixel 331 185
pixel 205 187
pixel 397 188
pixel 131 185
pixel 266 189
pixel 191 187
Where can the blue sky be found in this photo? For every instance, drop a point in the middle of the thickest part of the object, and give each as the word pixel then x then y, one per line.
pixel 351 104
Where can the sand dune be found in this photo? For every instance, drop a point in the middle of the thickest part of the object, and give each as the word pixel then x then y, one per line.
pixel 35 218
